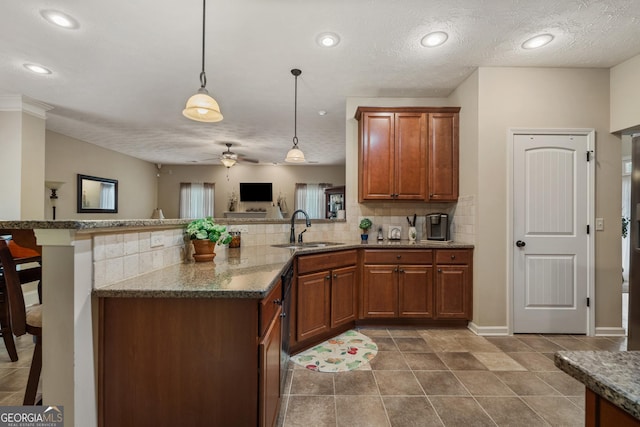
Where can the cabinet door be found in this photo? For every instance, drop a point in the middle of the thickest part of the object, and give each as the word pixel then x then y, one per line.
pixel 411 156
pixel 343 296
pixel 377 146
pixel 269 391
pixel 314 303
pixel 379 291
pixel 415 289
pixel 453 292
pixel 443 156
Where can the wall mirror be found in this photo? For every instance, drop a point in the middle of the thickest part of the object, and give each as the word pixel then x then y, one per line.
pixel 97 195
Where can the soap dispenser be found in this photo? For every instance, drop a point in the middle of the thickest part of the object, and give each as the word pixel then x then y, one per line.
pixel 380 238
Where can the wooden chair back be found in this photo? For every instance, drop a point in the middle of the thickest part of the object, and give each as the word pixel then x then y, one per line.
pixel 13 291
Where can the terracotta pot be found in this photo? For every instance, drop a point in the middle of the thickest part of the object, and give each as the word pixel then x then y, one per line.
pixel 203 250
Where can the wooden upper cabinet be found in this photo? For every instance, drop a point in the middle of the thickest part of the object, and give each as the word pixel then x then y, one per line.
pixel 443 157
pixel 402 158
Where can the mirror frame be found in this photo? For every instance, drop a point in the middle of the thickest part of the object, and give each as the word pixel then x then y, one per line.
pixel 80 188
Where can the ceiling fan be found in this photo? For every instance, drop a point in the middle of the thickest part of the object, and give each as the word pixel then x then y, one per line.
pixel 229 158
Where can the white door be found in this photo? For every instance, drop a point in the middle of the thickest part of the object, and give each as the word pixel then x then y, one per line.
pixel 551 212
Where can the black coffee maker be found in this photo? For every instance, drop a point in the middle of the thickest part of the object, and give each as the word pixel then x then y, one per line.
pixel 437 226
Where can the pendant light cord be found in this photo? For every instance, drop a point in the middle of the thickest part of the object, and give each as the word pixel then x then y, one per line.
pixel 296 73
pixel 203 76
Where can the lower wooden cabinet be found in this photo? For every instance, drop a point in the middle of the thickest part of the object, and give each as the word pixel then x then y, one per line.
pixel 413 287
pixel 269 379
pixel 189 361
pixel 326 293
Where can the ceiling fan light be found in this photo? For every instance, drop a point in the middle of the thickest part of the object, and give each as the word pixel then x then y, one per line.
pixel 228 162
pixel 295 155
pixel 202 108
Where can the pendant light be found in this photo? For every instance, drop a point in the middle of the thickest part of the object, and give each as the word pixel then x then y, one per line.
pixel 201 107
pixel 295 155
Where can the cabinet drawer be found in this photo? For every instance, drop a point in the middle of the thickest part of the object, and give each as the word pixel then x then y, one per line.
pixel 391 256
pixel 453 256
pixel 268 307
pixel 326 261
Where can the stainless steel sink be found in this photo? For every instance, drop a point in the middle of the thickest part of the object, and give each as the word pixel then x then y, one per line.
pixel 306 245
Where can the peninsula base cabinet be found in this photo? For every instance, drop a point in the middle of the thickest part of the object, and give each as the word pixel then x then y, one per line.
pixel 189 361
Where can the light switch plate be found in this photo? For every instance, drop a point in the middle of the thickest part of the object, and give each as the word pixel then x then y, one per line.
pixel 599 224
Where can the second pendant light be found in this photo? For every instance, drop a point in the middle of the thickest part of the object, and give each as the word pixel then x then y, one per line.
pixel 295 155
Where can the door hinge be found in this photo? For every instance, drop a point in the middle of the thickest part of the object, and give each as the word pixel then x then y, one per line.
pixel 588 228
pixel 589 155
pixel 588 302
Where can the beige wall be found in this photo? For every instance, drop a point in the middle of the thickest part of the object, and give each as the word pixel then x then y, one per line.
pixel 11 170
pixel 66 157
pixel 542 98
pixel 625 96
pixel 33 160
pixel 283 177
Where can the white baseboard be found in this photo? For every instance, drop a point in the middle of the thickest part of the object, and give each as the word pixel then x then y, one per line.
pixel 610 332
pixel 488 330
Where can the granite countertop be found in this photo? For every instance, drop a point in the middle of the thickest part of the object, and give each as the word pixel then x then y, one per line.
pixel 245 272
pixel 614 375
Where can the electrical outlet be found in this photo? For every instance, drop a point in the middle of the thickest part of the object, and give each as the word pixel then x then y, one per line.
pixel 599 224
pixel 157 239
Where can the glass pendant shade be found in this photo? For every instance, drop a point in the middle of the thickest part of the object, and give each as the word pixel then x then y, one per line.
pixel 202 107
pixel 295 155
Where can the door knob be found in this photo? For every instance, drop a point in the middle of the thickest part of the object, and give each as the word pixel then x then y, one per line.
pixel 520 244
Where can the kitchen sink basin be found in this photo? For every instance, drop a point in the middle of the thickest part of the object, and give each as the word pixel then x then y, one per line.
pixel 306 245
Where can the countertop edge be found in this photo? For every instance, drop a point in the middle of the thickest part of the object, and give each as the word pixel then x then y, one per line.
pixel 597 383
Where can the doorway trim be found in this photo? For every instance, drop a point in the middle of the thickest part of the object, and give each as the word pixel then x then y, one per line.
pixel 590 134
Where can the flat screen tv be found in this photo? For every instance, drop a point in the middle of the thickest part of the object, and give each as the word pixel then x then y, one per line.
pixel 256 192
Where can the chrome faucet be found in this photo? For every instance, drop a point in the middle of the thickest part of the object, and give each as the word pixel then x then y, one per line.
pixel 292 235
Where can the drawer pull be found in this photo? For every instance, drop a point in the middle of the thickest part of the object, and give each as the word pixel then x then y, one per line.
pixel 398 256
pixel 453 257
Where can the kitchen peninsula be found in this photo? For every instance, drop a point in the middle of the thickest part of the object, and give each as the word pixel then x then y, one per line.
pixel 120 266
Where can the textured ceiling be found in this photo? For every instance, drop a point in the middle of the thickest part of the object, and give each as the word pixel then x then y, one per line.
pixel 121 80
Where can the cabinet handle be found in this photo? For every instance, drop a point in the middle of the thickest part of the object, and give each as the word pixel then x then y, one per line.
pixel 401 271
pixel 328 277
pixel 398 256
pixel 453 257
pixel 283 314
pixel 335 275
pixel 277 302
pixel 439 271
pixel 395 270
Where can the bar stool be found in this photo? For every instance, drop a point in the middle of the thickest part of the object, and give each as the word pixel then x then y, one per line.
pixel 23 320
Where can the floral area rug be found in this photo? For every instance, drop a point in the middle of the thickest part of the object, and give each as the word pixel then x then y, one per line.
pixel 349 350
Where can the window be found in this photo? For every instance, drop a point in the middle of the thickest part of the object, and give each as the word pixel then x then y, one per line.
pixel 310 198
pixel 196 199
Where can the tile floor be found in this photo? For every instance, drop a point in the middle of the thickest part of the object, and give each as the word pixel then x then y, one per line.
pixel 451 377
pixel 13 375
pixel 420 377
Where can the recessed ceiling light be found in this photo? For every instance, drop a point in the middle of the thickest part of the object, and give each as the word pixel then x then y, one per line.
pixel 60 19
pixel 322 112
pixel 38 69
pixel 328 39
pixel 434 39
pixel 537 41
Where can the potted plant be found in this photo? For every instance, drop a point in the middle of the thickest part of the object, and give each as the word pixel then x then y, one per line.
pixel 365 225
pixel 205 234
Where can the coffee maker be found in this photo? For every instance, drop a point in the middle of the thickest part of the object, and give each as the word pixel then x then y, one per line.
pixel 437 226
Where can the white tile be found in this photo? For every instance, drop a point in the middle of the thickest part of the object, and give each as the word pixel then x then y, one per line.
pixel 131 265
pixel 115 270
pixel 114 246
pixel 131 245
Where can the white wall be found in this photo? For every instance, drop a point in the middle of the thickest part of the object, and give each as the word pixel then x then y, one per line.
pixel 625 96
pixel 66 157
pixel 283 178
pixel 11 170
